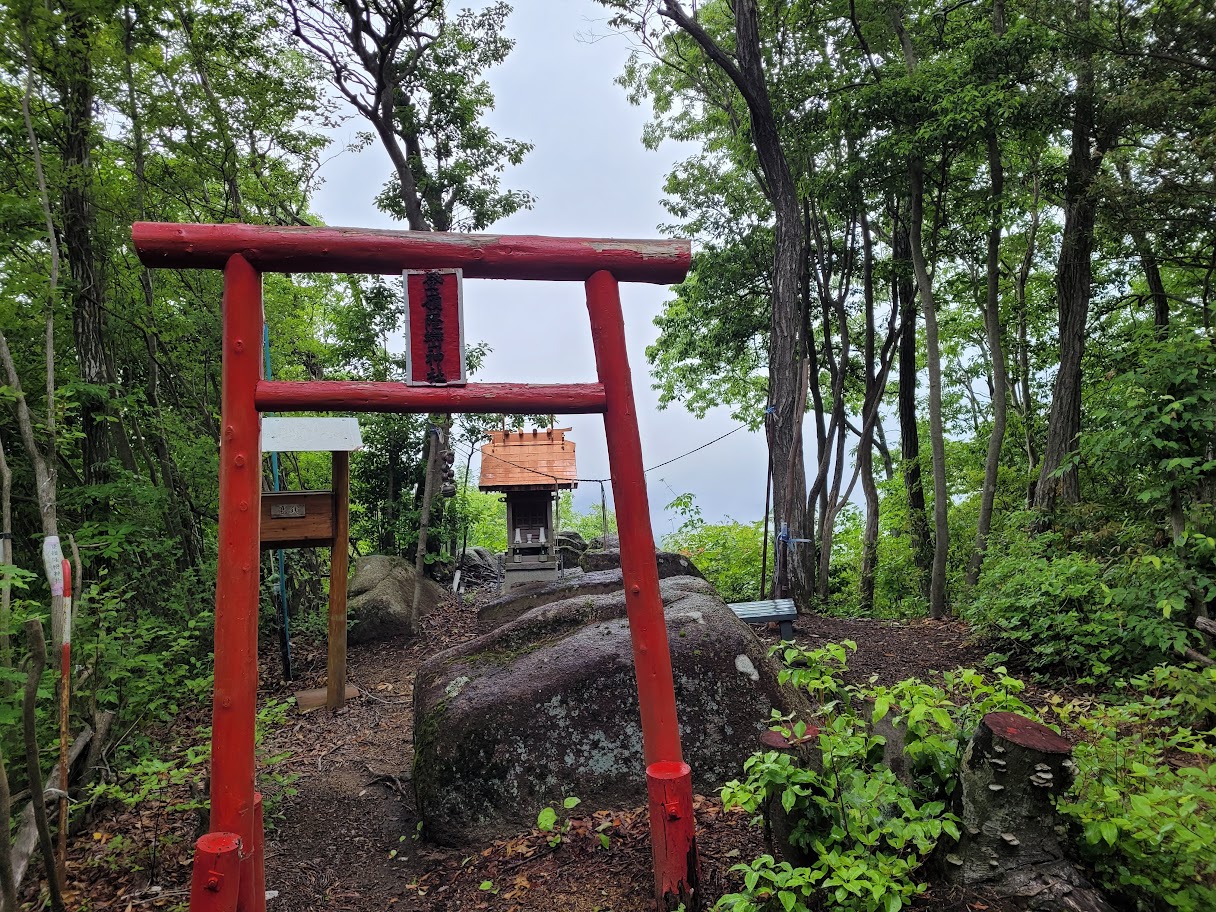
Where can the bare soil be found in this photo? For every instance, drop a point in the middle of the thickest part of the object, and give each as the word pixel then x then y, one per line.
pixel 342 823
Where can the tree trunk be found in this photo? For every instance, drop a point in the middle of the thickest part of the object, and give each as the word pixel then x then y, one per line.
pixel 909 431
pixel 869 542
pixel 812 528
pixel 865 449
pixel 941 495
pixel 785 342
pixel 1023 349
pixel 434 465
pixel 6 559
pixel 1011 774
pixel 8 883
pixel 1058 481
pixel 74 77
pixel 37 647
pixel 1000 379
pixel 1144 251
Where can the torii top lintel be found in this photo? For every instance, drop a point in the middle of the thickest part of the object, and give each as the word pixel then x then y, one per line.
pixel 271 248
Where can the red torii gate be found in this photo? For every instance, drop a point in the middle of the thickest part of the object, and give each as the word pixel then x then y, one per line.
pixel 228 873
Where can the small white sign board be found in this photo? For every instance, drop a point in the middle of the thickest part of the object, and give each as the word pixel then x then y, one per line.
pixel 310 435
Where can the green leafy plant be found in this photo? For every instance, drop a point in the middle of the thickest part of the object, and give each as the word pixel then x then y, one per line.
pixel 866 832
pixel 1087 616
pixel 1144 802
pixel 547 822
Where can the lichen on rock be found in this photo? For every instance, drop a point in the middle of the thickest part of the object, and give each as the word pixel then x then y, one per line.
pixel 547 706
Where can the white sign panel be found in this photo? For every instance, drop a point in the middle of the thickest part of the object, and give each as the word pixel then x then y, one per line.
pixel 310 435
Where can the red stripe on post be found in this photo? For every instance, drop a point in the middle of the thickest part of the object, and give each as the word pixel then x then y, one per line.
pixel 361 250
pixel 491 398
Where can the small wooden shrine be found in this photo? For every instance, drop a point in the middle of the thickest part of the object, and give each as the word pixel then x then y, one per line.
pixel 531 468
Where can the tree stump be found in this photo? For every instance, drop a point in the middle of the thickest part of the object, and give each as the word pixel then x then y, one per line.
pixel 1012 772
pixel 778 825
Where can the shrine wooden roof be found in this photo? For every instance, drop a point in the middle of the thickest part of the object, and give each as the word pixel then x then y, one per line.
pixel 528 461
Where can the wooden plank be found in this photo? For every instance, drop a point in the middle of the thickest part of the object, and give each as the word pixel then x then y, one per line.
pixel 491 398
pixel 310 434
pixel 316 697
pixel 339 556
pixel 272 248
pixel 314 528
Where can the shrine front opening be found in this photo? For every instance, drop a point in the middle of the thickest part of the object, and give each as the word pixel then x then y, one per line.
pixel 228 874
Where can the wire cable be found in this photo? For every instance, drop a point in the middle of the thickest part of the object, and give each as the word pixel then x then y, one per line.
pixel 697 450
pixel 561 478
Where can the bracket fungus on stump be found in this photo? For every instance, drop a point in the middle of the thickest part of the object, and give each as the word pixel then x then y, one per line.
pixel 1012 772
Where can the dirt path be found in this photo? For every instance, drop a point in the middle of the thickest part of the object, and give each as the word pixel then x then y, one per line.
pixel 894 650
pixel 339 841
pixel 344 839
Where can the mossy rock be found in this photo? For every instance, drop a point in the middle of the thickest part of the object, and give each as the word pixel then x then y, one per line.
pixel 381 594
pixel 546 706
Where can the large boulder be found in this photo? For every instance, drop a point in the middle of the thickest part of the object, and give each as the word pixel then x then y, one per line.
pixel 600 542
pixel 479 567
pixel 592 579
pixel 570 547
pixel 524 598
pixel 546 706
pixel 380 595
pixel 669 563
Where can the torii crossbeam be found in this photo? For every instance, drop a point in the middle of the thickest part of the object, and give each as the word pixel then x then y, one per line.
pixel 228 871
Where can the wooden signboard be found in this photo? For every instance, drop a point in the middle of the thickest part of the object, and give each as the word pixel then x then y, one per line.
pixel 297 519
pixel 434 327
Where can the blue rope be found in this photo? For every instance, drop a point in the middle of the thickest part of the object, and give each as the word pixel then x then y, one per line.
pixel 280 555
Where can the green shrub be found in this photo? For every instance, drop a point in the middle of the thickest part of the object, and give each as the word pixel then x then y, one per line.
pixel 1143 804
pixel 868 832
pixel 728 553
pixel 1145 797
pixel 1072 614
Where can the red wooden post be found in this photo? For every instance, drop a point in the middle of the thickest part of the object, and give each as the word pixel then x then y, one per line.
pixel 253 871
pixel 674 862
pixel 236 588
pixel 217 873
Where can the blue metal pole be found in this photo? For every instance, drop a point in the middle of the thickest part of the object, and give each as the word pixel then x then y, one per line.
pixel 284 619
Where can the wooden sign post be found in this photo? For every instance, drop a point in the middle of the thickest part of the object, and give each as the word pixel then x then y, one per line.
pixel 316 519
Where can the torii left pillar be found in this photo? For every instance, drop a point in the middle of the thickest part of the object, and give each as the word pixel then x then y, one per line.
pixel 236 808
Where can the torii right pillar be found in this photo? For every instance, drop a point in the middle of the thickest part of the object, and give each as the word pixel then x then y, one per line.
pixel 668 777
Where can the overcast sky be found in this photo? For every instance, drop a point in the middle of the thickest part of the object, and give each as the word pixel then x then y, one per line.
pixel 591 177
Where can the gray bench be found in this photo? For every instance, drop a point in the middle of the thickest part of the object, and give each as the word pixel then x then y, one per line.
pixel 769 611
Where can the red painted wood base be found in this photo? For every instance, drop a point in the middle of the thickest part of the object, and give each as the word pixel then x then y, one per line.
pixel 673 836
pixel 215 881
